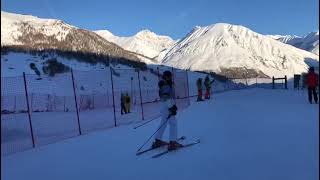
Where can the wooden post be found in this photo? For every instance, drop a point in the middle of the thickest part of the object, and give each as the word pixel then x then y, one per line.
pixel 29 114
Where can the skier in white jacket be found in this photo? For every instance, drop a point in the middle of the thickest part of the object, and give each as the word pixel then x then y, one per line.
pixel 168 112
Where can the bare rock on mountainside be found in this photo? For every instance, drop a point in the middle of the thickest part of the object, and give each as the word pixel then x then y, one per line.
pixel 32 33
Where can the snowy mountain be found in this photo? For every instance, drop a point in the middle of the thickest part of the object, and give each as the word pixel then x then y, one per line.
pixel 25 33
pixel 145 42
pixel 286 38
pixel 233 50
pixel 310 42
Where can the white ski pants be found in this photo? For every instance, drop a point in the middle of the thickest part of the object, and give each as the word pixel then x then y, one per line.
pixel 173 131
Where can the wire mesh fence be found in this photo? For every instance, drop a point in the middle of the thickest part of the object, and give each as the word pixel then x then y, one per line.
pixel 37 111
pixel 52 108
pixel 94 98
pixel 15 125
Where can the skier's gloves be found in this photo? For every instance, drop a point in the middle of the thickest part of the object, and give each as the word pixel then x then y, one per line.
pixel 173 110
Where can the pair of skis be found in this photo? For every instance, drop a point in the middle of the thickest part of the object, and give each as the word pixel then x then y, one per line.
pixel 167 151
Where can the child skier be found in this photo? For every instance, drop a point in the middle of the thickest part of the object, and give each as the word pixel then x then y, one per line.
pixel 168 112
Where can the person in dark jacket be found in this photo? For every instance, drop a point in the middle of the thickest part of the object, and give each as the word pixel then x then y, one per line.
pixel 207 84
pixel 312 83
pixel 123 108
pixel 127 103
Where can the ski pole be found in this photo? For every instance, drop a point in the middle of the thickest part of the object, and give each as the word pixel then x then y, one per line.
pixel 153 134
pixel 145 123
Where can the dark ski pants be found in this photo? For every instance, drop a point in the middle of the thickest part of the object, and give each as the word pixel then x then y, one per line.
pixel 199 95
pixel 123 109
pixel 312 91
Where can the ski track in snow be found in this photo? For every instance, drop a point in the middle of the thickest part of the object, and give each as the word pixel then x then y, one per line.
pixel 245 134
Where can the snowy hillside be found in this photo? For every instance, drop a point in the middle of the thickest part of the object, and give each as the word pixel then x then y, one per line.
pixel 14 64
pixel 36 37
pixel 310 42
pixel 144 42
pixel 224 47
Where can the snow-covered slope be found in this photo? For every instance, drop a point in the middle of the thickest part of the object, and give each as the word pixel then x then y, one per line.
pixel 14 64
pixel 144 42
pixel 310 42
pixel 222 47
pixel 31 38
pixel 288 39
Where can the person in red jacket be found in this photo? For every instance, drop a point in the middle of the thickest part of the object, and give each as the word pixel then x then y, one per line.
pixel 312 83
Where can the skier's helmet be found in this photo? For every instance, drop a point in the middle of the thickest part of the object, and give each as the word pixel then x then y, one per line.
pixel 167 74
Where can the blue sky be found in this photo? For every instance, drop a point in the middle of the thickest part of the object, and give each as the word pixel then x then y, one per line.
pixel 175 18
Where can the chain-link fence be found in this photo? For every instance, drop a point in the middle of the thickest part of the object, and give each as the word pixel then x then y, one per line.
pixel 94 99
pixel 52 107
pixel 37 111
pixel 16 132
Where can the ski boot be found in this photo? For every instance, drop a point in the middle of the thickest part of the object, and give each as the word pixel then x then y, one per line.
pixel 158 143
pixel 173 145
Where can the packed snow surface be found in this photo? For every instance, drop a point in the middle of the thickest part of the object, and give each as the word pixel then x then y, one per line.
pixel 245 134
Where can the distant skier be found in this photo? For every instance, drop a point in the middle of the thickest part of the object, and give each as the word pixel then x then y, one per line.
pixel 207 84
pixel 312 83
pixel 199 86
pixel 168 111
pixel 123 108
pixel 127 103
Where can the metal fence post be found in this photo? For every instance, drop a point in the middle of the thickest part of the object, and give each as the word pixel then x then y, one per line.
pixel 140 95
pixel 15 103
pixel 114 108
pixel 174 87
pixel 272 82
pixel 158 73
pixel 29 115
pixel 75 99
pixel 64 103
pixel 285 82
